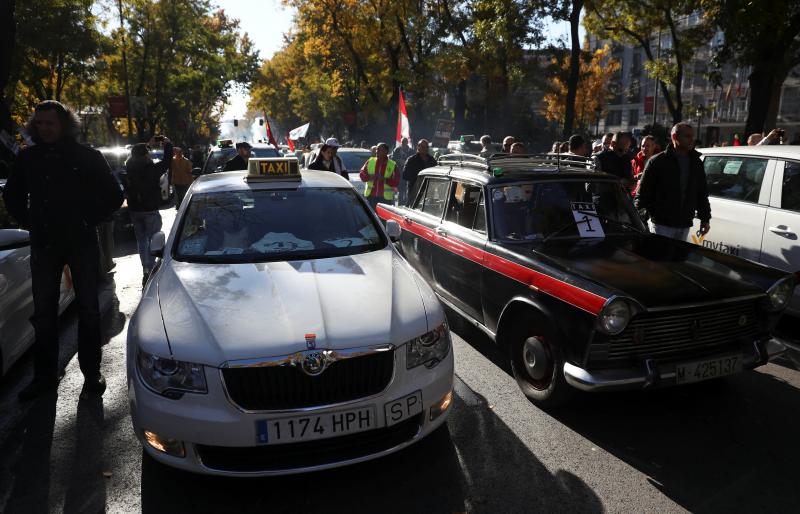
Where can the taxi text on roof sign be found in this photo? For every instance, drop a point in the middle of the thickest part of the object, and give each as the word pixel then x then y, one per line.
pixel 273 168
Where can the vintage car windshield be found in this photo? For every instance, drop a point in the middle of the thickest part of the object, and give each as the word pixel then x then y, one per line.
pixel 276 225
pixel 530 211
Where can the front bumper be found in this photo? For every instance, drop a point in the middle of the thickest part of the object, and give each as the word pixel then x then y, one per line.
pixel 209 424
pixel 653 374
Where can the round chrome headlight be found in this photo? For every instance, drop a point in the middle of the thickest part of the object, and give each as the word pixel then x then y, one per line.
pixel 614 316
pixel 780 294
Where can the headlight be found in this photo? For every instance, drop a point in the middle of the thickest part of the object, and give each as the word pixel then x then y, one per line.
pixel 780 294
pixel 428 349
pixel 168 375
pixel 614 316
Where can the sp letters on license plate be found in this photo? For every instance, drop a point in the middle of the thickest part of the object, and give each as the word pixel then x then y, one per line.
pixel 688 372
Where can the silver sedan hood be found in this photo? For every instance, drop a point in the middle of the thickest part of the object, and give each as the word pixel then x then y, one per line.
pixel 215 313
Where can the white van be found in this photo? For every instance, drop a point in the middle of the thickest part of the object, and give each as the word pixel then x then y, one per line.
pixel 755 206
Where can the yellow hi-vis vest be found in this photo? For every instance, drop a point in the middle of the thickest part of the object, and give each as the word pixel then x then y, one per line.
pixel 388 193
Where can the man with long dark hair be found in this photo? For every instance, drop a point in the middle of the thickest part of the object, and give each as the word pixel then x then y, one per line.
pixel 60 190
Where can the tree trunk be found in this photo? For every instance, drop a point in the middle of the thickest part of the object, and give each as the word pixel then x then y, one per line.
pixel 460 105
pixel 8 29
pixel 574 67
pixel 764 80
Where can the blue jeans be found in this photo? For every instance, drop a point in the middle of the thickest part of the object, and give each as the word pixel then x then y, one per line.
pixel 145 224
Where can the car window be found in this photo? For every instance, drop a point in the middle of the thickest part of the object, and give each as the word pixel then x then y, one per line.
pixel 535 210
pixel 6 221
pixel 420 195
pixel 353 161
pixel 264 226
pixel 463 203
pixel 479 225
pixel 734 177
pixel 217 159
pixel 435 197
pixel 790 188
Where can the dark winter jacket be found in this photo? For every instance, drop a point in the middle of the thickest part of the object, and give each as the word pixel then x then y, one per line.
pixel 60 192
pixel 319 164
pixel 609 162
pixel 142 184
pixel 236 164
pixel 414 165
pixel 660 190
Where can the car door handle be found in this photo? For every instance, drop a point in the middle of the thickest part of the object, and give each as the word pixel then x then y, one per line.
pixel 781 230
pixel 441 232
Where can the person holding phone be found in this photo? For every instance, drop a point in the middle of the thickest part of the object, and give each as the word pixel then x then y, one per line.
pixel 143 190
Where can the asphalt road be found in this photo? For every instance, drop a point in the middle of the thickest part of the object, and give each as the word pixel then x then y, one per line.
pixel 726 446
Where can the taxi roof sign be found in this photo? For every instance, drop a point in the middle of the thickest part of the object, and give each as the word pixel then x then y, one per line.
pixel 273 168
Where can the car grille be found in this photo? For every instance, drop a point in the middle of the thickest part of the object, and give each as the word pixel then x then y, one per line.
pixel 281 457
pixel 288 387
pixel 681 334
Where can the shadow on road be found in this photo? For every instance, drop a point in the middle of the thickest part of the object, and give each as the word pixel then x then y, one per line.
pixel 30 472
pixel 86 489
pixel 729 445
pixel 492 471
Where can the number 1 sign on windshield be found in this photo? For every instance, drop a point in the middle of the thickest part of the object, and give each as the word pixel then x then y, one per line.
pixel 586 219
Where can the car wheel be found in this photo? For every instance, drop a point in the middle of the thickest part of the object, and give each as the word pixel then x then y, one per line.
pixel 538 367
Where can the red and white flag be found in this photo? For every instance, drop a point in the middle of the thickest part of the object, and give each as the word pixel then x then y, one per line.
pixel 270 137
pixel 403 127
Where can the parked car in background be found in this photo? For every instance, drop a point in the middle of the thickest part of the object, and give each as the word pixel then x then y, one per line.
pixel 225 151
pixel 552 261
pixel 16 297
pixel 754 193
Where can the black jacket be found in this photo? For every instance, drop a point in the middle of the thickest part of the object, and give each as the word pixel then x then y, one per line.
pixel 236 164
pixel 609 162
pixel 660 190
pixel 142 183
pixel 319 164
pixel 414 165
pixel 60 192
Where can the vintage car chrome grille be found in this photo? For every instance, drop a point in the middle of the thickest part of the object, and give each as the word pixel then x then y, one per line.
pixel 286 386
pixel 283 457
pixel 681 334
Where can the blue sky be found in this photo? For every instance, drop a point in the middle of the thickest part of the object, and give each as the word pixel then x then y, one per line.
pixel 266 21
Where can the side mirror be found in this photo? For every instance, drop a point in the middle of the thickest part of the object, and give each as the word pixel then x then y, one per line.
pixel 196 172
pixel 393 230
pixel 157 243
pixel 13 238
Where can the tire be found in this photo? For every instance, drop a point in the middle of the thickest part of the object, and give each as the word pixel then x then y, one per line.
pixel 538 365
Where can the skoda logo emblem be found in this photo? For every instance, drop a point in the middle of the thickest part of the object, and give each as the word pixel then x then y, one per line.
pixel 313 363
pixel 742 320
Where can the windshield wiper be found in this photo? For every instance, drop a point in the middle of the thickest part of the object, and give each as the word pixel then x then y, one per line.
pixel 613 221
pixel 588 220
pixel 565 227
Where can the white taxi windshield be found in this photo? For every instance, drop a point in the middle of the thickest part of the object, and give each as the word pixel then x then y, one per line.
pixel 537 210
pixel 276 225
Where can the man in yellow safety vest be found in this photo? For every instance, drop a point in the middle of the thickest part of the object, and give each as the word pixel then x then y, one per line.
pixel 380 174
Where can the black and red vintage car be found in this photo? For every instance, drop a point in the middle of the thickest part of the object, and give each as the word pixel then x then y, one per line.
pixel 552 261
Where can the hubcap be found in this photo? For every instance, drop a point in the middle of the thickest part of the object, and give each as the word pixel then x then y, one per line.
pixel 536 358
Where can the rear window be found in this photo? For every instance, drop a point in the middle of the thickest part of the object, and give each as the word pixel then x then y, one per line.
pixel 217 159
pixel 734 177
pixel 265 226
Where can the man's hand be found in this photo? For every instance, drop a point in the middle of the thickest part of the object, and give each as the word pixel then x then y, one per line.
pixel 774 135
pixel 704 228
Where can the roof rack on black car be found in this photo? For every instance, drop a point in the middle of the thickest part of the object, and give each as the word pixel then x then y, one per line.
pixel 545 162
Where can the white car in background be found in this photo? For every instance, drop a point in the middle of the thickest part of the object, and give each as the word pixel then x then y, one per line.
pixel 16 297
pixel 282 332
pixel 754 193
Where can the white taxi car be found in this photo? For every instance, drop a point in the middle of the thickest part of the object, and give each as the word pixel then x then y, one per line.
pixel 754 193
pixel 282 332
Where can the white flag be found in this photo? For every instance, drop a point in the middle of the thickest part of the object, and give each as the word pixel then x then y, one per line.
pixel 299 132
